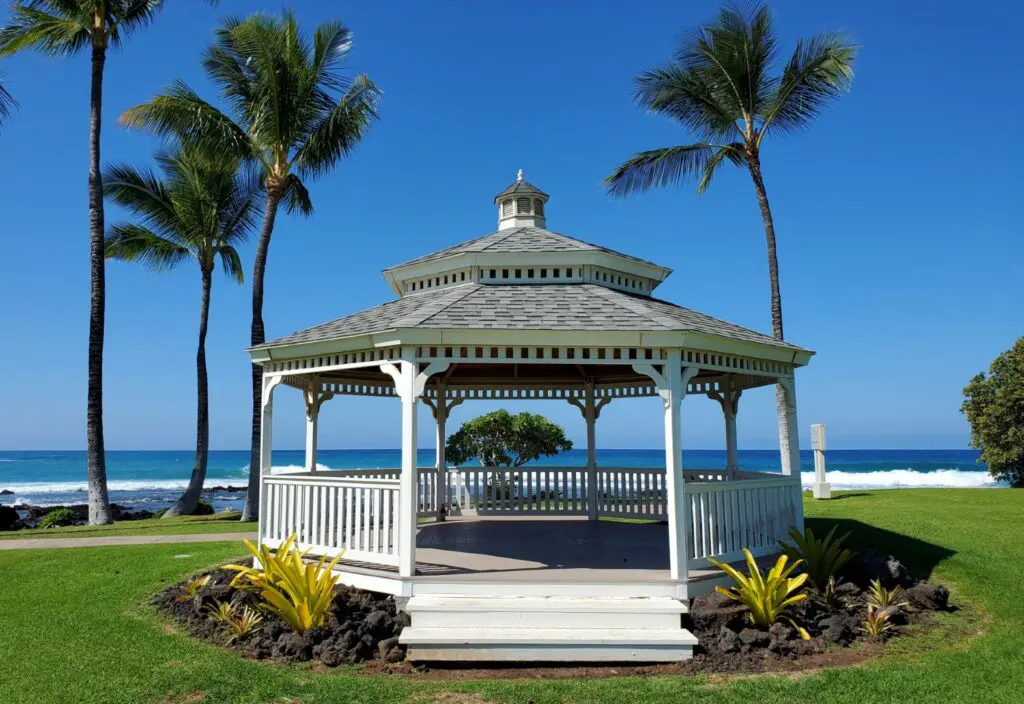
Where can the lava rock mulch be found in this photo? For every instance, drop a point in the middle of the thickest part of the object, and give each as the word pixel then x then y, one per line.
pixel 727 643
pixel 363 626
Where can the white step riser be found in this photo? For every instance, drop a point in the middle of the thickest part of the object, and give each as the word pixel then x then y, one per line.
pixel 548 589
pixel 542 619
pixel 550 653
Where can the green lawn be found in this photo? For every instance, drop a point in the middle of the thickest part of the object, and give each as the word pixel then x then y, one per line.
pixel 179 525
pixel 76 627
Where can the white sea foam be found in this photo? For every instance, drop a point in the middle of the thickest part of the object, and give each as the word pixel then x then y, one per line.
pixel 904 478
pixel 116 485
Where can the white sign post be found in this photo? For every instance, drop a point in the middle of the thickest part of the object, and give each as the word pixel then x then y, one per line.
pixel 821 488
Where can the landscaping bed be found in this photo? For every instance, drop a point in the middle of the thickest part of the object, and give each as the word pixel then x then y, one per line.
pixel 362 625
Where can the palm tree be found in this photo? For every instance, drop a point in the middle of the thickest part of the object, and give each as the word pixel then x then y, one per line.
pixel 60 28
pixel 200 209
pixel 722 85
pixel 7 103
pixel 291 113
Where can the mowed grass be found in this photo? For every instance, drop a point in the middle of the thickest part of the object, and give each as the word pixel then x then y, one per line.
pixel 226 522
pixel 77 627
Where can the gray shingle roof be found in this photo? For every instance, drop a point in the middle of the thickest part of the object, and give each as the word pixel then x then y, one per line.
pixel 521 188
pixel 525 307
pixel 520 239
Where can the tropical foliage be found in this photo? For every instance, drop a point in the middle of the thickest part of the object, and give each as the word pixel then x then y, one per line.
pixel 877 623
pixel 193 587
pixel 63 28
pixel 725 87
pixel 500 439
pixel 238 622
pixel 822 559
pixel 198 208
pixel 291 113
pixel 57 517
pixel 766 595
pixel 878 597
pixel 298 593
pixel 994 406
pixel 7 103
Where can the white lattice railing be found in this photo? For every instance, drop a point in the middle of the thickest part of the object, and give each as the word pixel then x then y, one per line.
pixel 754 513
pixel 330 515
pixel 535 490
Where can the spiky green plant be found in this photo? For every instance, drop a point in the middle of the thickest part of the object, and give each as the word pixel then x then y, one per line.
pixel 877 623
pixel 767 596
pixel 829 597
pixel 822 558
pixel 193 587
pixel 299 593
pixel 881 598
pixel 237 622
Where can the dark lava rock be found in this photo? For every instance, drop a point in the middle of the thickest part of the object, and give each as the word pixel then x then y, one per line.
pixel 6 492
pixel 390 650
pixel 380 624
pixel 781 631
pixel 9 518
pixel 729 641
pixel 848 590
pixel 929 597
pixel 754 638
pixel 710 612
pixel 294 646
pixel 869 565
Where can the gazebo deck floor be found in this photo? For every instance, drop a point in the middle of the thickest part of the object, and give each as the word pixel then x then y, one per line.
pixel 539 549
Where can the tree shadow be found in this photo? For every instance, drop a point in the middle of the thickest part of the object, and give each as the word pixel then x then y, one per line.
pixel 919 556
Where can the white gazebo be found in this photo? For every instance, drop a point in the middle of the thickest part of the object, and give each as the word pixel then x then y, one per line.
pixel 528 570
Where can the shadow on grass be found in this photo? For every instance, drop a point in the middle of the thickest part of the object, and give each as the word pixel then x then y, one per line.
pixel 919 556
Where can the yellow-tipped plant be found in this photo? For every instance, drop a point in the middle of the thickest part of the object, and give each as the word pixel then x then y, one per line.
pixel 193 587
pixel 299 593
pixel 877 623
pixel 767 596
pixel 881 598
pixel 237 623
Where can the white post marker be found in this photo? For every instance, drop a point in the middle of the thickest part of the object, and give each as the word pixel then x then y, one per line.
pixel 821 488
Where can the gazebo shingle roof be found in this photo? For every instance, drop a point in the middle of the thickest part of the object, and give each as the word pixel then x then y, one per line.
pixel 520 187
pixel 520 239
pixel 518 307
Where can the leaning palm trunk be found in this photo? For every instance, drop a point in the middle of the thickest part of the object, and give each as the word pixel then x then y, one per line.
pixel 251 512
pixel 99 502
pixel 188 502
pixel 781 402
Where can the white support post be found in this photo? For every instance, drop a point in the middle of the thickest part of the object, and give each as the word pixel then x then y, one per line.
pixel 672 384
pixel 312 417
pixel 821 488
pixel 441 481
pixel 266 439
pixel 590 415
pixel 730 402
pixel 790 458
pixel 409 383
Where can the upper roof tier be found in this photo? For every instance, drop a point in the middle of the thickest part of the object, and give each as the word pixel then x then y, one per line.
pixel 523 251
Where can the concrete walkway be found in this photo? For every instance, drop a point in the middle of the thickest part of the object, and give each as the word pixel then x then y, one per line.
pixel 42 543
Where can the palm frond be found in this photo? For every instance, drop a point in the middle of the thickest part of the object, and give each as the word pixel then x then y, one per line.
pixel 337 135
pixel 689 98
pixel 125 17
pixel 231 262
pixel 141 192
pixel 180 113
pixel 7 103
pixel 667 166
pixel 331 43
pixel 820 70
pixel 54 28
pixel 135 243
pixel 731 152
pixel 296 197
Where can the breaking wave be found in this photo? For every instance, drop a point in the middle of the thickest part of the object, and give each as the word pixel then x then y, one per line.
pixel 905 478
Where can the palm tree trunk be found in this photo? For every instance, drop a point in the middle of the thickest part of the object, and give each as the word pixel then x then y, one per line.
pixel 188 502
pixel 257 337
pixel 754 161
pixel 99 501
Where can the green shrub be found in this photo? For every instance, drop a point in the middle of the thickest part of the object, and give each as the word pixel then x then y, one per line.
pixel 58 517
pixel 203 508
pixel 9 518
pixel 767 595
pixel 160 513
pixel 822 559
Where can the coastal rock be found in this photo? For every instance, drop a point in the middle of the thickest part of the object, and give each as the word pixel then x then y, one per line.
pixel 928 597
pixel 869 565
pixel 9 518
pixel 6 492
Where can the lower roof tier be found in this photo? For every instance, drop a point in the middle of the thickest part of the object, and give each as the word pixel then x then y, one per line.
pixel 555 307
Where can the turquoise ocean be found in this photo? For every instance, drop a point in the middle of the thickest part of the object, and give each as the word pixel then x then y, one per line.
pixel 153 479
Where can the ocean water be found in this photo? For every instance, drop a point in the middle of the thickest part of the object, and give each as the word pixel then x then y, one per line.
pixel 153 479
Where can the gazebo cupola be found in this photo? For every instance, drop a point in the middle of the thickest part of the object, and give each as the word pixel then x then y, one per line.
pixel 521 205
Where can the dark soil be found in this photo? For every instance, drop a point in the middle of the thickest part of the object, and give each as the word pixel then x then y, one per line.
pixel 362 626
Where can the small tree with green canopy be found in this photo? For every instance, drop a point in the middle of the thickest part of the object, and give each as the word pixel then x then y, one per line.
pixel 994 406
pixel 503 440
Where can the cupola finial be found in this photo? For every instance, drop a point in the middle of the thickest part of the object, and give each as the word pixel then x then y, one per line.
pixel 521 205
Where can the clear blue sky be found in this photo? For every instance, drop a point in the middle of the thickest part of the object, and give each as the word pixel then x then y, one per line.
pixel 898 216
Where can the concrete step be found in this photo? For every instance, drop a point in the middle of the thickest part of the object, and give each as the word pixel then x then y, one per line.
pixel 510 587
pixel 548 644
pixel 544 612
